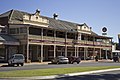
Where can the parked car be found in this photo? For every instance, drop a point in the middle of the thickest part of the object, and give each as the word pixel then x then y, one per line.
pixel 2 59
pixel 73 59
pixel 116 58
pixel 16 59
pixel 60 59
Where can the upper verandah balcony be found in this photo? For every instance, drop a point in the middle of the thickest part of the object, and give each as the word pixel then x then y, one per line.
pixel 68 37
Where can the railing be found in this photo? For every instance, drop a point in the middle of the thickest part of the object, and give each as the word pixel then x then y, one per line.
pixel 48 38
pixel 82 42
pixel 98 43
pixel 35 37
pixel 89 42
pixel 69 40
pixel 106 44
pixel 85 42
pixel 60 39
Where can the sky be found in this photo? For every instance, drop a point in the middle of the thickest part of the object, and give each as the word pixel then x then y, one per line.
pixel 95 13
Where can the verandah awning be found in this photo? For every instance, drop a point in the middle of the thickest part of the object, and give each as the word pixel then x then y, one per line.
pixel 6 39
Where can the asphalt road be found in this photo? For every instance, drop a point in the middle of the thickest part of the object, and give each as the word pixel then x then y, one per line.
pixel 113 75
pixel 45 66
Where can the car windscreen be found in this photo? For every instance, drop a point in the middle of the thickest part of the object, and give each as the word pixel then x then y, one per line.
pixel 18 57
pixel 61 57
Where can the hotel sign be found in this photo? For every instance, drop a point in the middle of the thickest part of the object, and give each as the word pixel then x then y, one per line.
pixel 104 29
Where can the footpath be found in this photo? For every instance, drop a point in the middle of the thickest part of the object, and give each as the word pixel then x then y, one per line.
pixel 58 76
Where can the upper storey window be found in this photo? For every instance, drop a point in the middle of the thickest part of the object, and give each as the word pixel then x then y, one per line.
pixel 14 30
pixel 23 30
pixel 18 30
pixel 34 31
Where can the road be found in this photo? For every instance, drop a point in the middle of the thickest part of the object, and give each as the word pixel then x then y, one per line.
pixel 45 66
pixel 113 75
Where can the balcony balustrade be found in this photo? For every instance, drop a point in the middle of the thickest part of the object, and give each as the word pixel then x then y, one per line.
pixel 82 42
pixel 35 37
pixel 60 39
pixel 48 38
pixel 69 40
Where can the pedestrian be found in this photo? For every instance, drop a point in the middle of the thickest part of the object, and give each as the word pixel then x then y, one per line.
pixel 96 58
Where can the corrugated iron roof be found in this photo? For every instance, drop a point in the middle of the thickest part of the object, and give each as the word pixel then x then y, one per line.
pixel 17 16
pixel 5 38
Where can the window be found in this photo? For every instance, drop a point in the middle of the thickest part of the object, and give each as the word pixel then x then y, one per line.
pixel 4 30
pixel 71 35
pixel 50 33
pixel 34 31
pixel 23 30
pixel 17 30
pixel 82 37
pixel 14 30
pixel 36 17
pixel 44 32
pixel 60 34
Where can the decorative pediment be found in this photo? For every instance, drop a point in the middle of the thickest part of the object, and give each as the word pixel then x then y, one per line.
pixel 83 28
pixel 35 19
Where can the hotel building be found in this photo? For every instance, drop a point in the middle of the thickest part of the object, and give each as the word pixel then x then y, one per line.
pixel 41 38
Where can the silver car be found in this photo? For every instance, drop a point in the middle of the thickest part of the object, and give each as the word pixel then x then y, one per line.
pixel 16 59
pixel 60 59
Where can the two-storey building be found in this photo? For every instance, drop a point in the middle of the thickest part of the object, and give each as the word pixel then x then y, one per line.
pixel 42 38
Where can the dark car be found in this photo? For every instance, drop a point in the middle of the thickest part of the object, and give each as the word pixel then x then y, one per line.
pixel 73 59
pixel 116 58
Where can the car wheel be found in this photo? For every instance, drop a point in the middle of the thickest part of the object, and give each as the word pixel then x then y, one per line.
pixel 9 64
pixel 22 64
pixel 12 64
pixel 57 62
pixel 17 64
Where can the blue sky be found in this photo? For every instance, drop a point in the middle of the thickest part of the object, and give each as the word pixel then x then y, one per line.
pixel 95 13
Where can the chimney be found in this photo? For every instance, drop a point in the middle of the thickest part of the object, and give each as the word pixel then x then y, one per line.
pixel 90 28
pixel 37 12
pixel 55 16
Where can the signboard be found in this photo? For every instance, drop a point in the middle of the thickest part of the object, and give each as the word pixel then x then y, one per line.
pixel 104 29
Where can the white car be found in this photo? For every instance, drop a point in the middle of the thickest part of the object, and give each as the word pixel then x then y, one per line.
pixel 60 59
pixel 2 59
pixel 16 59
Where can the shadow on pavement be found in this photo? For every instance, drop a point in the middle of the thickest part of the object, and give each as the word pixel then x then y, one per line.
pixel 92 77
